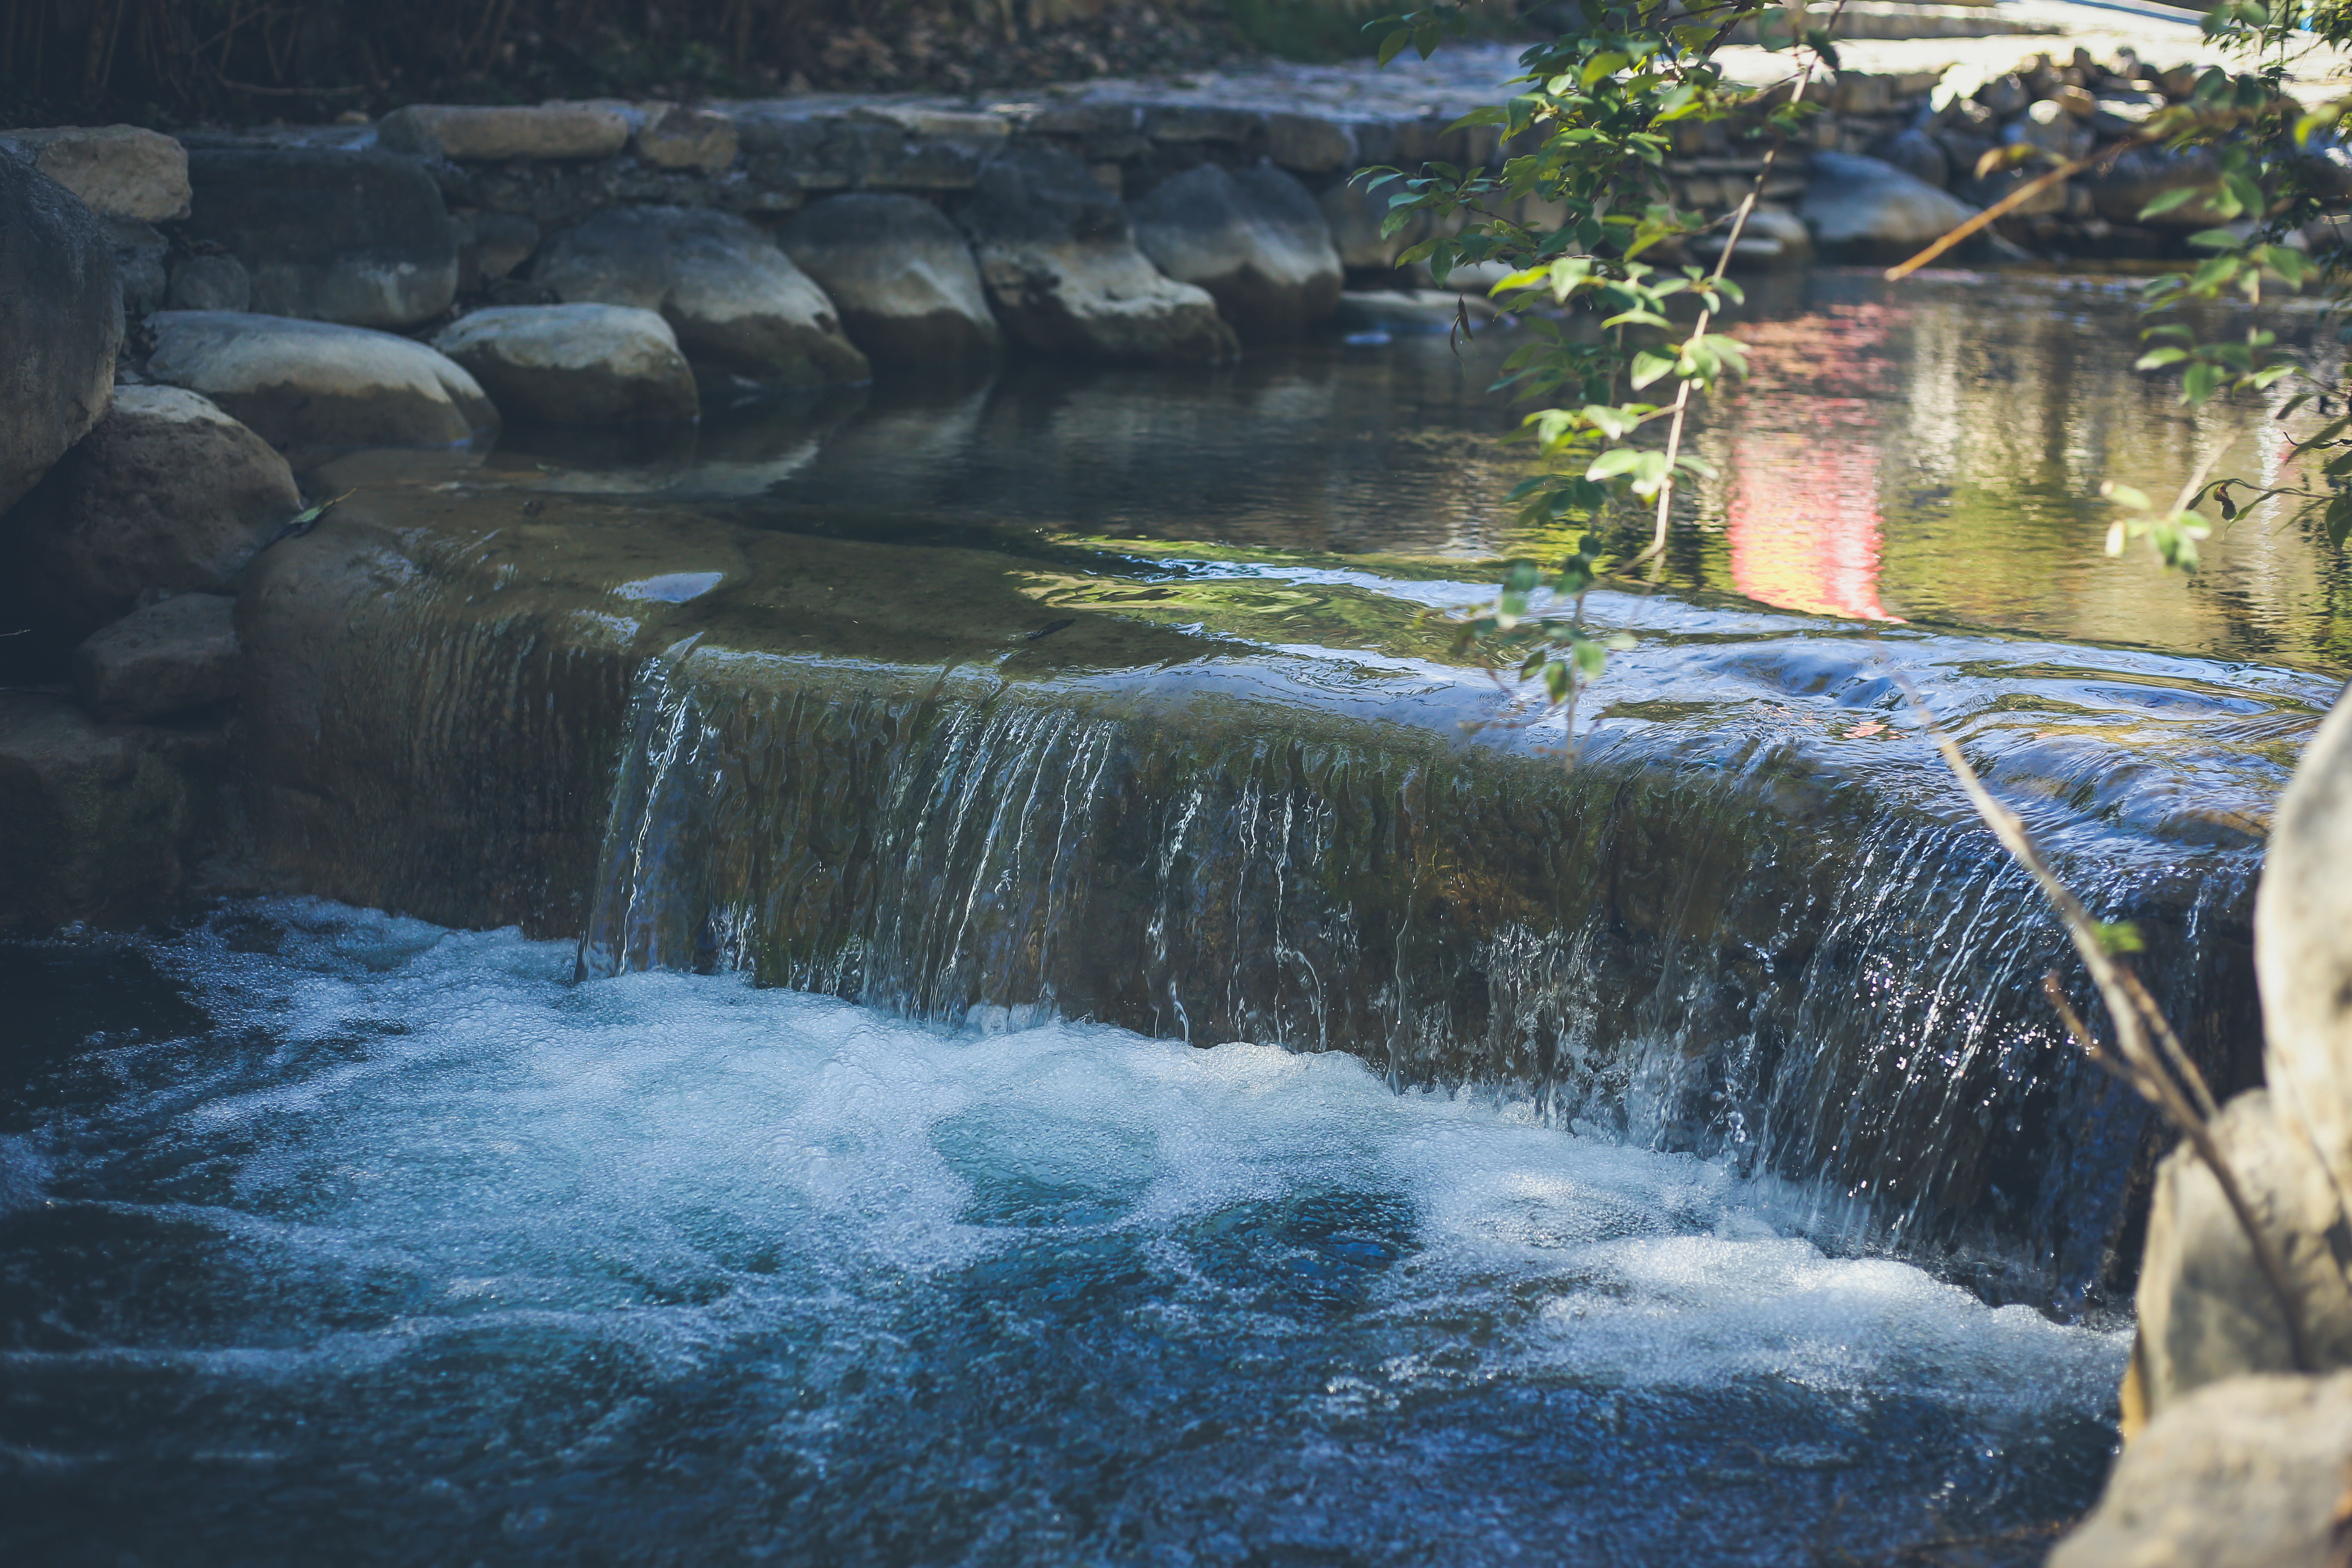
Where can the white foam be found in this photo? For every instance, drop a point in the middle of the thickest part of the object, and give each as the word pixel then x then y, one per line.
pixel 697 1157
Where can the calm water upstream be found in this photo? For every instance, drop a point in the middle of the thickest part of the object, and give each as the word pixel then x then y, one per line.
pixel 1931 451
pixel 350 1240
pixel 332 1236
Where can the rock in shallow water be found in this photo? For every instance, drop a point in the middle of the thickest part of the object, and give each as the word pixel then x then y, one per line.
pixel 575 365
pixel 1255 240
pixel 60 320
pixel 1062 267
pixel 167 493
pixel 1863 209
pixel 901 275
pixel 311 384
pixel 166 659
pixel 736 302
pixel 330 235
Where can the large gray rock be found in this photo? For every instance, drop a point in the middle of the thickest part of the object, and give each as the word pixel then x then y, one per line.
pixel 1061 266
pixel 216 282
pixel 736 302
pixel 1354 216
pixel 166 492
pixel 2303 948
pixel 173 655
pixel 2122 189
pixel 361 238
pixel 118 171
pixel 901 275
pixel 98 823
pixel 311 384
pixel 60 320
pixel 575 365
pixel 2205 1311
pixel 1255 240
pixel 2245 1474
pixel 1863 209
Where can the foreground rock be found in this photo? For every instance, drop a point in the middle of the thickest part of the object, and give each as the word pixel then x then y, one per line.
pixel 167 492
pixel 2206 1313
pixel 575 365
pixel 2303 954
pixel 736 302
pixel 901 275
pixel 361 238
pixel 118 171
pixel 62 305
pixel 1255 240
pixel 173 655
pixel 98 823
pixel 310 384
pixel 1062 267
pixel 2250 1473
pixel 1862 209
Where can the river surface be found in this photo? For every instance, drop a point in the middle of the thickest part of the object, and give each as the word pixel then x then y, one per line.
pixel 1930 452
pixel 330 1237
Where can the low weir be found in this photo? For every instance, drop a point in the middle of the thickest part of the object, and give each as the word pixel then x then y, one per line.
pixel 1749 918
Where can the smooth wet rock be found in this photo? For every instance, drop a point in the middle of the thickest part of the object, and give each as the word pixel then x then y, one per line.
pixel 1310 144
pixel 736 302
pixel 360 239
pixel 575 365
pixel 166 492
pixel 210 283
pixel 2205 1311
pixel 1409 312
pixel 2123 189
pixel 1917 153
pixel 679 137
pixel 60 322
pixel 178 654
pixel 2248 1473
pixel 1255 240
pixel 1353 217
pixel 490 245
pixel 1865 209
pixel 1062 267
pixel 1770 241
pixel 901 275
pixel 498 132
pixel 2303 947
pixel 314 384
pixel 118 171
pixel 139 252
pixel 98 823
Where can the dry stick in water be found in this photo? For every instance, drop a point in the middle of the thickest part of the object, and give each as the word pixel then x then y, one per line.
pixel 1722 263
pixel 2157 1073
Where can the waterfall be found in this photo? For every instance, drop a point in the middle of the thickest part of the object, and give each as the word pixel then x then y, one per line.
pixel 1818 985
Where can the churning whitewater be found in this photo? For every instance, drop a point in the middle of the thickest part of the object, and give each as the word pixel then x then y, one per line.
pixel 410 1244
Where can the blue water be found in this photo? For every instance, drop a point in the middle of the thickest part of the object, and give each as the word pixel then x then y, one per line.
pixel 327 1237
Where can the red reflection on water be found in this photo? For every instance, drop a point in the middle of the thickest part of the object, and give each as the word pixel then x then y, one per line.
pixel 1802 509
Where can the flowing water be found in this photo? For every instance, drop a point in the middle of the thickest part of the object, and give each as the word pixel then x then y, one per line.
pixel 1060 1025
pixel 373 1242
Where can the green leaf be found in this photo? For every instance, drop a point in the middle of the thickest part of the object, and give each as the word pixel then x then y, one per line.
pixel 2117 937
pixel 2338 519
pixel 1615 461
pixel 2201 382
pixel 1648 367
pixel 1393 46
pixel 2178 197
pixel 2158 359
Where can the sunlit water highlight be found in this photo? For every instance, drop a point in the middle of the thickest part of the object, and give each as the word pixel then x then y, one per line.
pixel 416 1253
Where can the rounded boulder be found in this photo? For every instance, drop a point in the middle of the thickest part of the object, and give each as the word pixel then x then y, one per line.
pixel 575 365
pixel 735 301
pixel 900 272
pixel 61 319
pixel 314 385
pixel 1255 240
pixel 167 493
